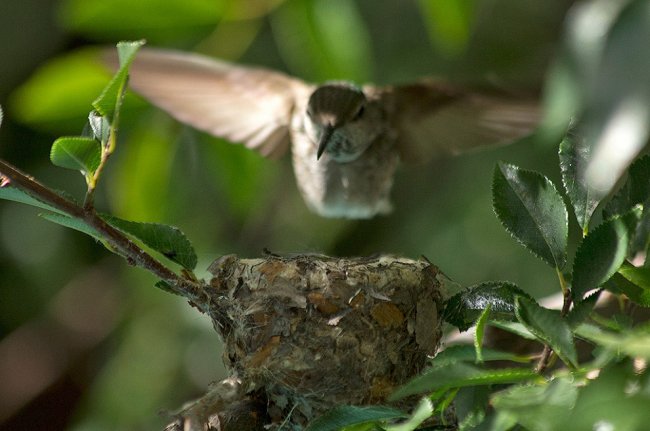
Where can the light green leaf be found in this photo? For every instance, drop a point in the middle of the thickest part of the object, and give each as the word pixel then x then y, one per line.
pixel 637 275
pixel 616 400
pixel 549 327
pixel 76 152
pixel 634 343
pixel 599 256
pixel 318 53
pixel 574 154
pixel 632 284
pixel 532 211
pixel 75 78
pixel 449 23
pixel 460 375
pixel 514 328
pixel 466 353
pixel 166 240
pixel 160 22
pixel 463 309
pixel 344 416
pixel 538 407
pixel 480 332
pixel 422 412
pixel 110 100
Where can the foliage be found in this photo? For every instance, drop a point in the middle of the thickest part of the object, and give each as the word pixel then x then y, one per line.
pixel 604 79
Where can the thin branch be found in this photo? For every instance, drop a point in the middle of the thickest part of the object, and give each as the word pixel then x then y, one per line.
pixel 115 239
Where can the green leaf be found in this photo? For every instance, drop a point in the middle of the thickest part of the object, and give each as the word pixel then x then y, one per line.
pixel 159 22
pixel 480 332
pixel 109 101
pixel 422 412
pixel 343 416
pixel 449 23
pixel 466 353
pixel 17 195
pixel 460 375
pixel 599 256
pixel 582 309
pixel 75 78
pixel 514 328
pixel 463 309
pixel 641 240
pixel 166 240
pixel 637 275
pixel 318 53
pixel 76 152
pixel 548 326
pixel 633 282
pixel 538 407
pixel 72 223
pixel 574 154
pixel 532 211
pixel 634 343
pixel 635 190
pixel 616 400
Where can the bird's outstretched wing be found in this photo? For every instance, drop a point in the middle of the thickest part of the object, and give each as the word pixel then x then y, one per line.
pixel 432 117
pixel 242 104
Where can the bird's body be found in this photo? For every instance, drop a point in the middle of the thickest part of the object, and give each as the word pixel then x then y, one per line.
pixel 346 142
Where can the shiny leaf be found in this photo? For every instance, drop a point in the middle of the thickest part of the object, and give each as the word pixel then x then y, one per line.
pixel 532 211
pixel 463 309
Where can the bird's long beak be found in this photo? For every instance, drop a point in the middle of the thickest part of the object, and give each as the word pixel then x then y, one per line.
pixel 324 140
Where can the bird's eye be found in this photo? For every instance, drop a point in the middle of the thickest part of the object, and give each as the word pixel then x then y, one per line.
pixel 359 113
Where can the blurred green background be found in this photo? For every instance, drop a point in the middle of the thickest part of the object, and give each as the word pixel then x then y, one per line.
pixel 87 342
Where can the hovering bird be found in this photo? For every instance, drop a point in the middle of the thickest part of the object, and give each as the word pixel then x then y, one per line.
pixel 346 140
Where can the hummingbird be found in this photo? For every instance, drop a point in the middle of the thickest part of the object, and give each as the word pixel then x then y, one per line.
pixel 346 140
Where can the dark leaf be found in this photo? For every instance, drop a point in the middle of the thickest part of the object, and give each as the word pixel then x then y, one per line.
pixel 574 154
pixel 532 211
pixel 635 190
pixel 599 256
pixel 463 309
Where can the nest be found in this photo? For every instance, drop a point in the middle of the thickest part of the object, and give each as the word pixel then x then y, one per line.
pixel 309 332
